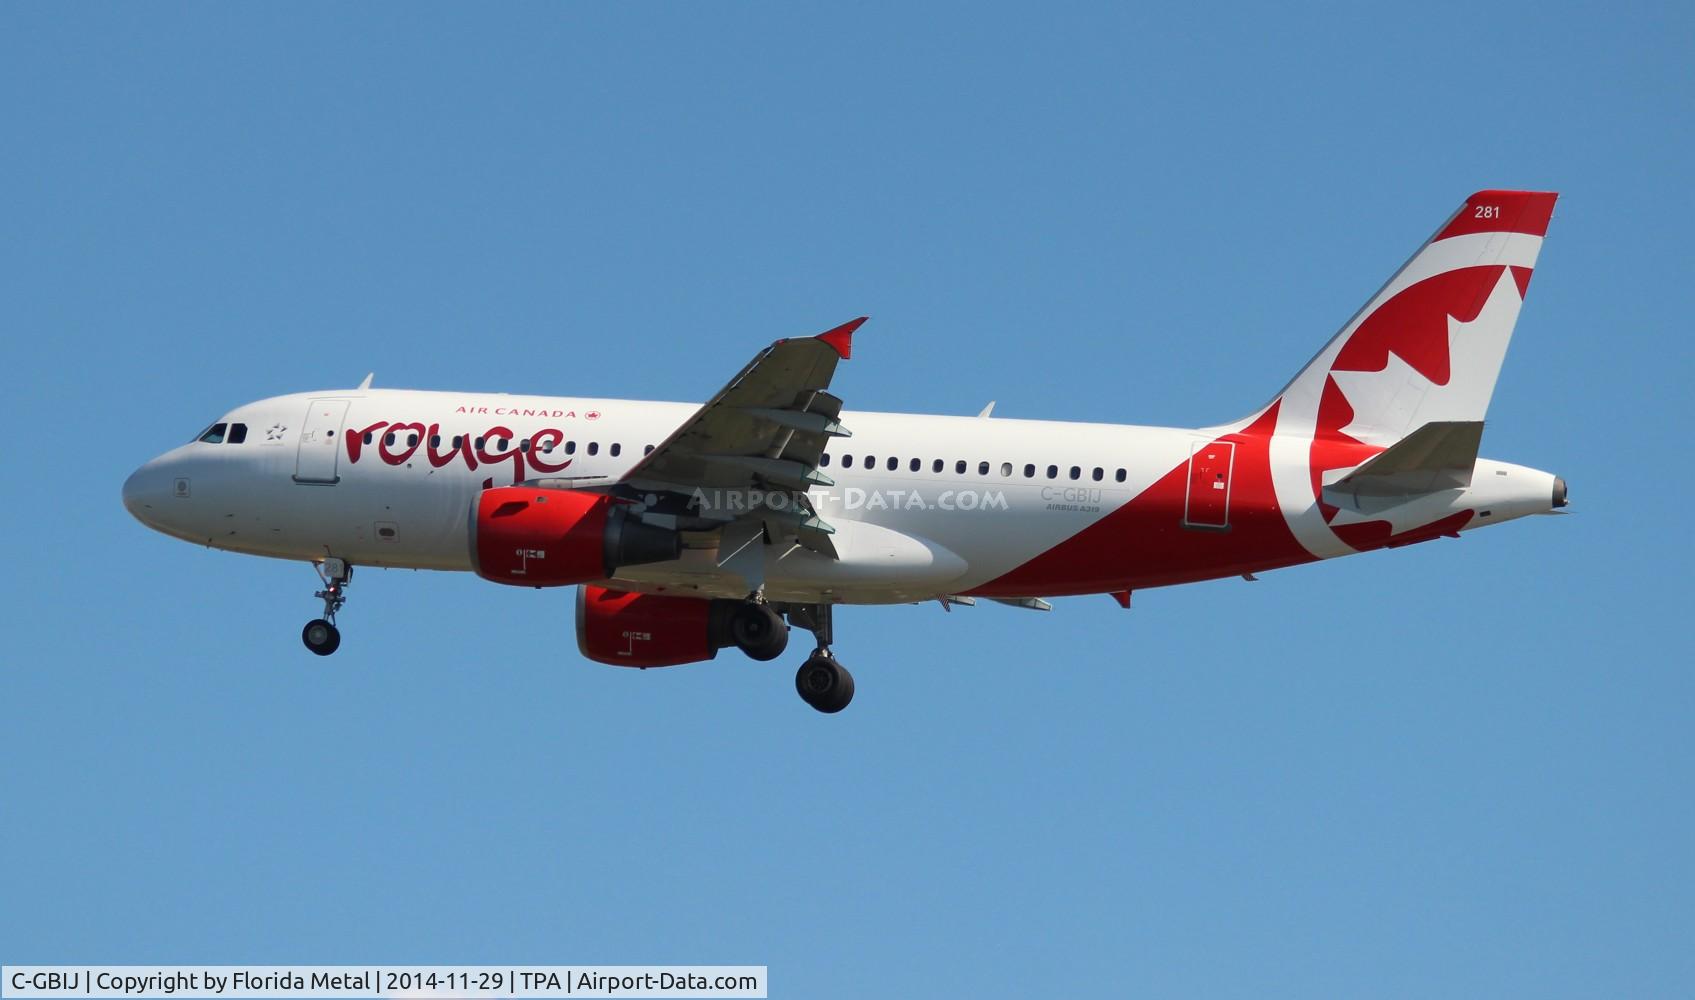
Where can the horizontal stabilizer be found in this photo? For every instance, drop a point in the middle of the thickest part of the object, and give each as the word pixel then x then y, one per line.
pixel 1438 456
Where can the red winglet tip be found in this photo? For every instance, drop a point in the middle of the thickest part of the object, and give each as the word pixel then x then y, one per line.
pixel 1123 598
pixel 841 338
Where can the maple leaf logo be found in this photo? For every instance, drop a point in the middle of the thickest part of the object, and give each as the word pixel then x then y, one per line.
pixel 1390 403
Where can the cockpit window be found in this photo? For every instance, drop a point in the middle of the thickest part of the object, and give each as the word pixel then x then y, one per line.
pixel 238 433
pixel 214 434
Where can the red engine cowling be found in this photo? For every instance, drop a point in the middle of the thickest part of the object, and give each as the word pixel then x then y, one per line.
pixel 650 630
pixel 553 538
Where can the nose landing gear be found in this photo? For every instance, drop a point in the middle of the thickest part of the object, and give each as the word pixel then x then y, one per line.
pixel 821 681
pixel 320 634
pixel 321 637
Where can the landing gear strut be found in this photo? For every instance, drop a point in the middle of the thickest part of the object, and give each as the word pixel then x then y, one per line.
pixel 821 681
pixel 320 634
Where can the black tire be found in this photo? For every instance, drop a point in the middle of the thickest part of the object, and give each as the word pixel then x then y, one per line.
pixel 824 684
pixel 842 696
pixel 759 631
pixel 321 637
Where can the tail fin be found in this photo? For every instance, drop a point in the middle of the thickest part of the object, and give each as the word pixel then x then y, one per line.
pixel 1429 345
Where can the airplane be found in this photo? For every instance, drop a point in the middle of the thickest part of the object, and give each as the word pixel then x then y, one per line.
pixel 687 529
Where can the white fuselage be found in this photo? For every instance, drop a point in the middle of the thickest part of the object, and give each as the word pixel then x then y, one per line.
pixel 923 506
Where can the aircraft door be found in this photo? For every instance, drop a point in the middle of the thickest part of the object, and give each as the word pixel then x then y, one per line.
pixel 320 441
pixel 1208 503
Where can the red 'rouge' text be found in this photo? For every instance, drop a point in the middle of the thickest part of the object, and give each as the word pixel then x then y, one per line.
pixel 401 442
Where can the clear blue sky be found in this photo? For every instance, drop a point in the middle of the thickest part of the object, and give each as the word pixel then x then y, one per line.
pixel 1461 769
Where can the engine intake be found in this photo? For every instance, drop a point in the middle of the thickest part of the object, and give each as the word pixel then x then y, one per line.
pixel 553 538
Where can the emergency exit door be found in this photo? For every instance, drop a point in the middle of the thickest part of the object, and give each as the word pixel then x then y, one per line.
pixel 320 441
pixel 1208 503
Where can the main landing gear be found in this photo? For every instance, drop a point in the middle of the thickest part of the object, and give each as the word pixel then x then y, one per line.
pixel 821 681
pixel 758 630
pixel 320 634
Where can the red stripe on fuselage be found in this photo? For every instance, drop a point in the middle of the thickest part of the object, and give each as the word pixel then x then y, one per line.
pixel 1145 544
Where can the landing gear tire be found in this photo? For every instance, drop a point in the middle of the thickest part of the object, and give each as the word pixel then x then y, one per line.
pixel 320 634
pixel 824 684
pixel 759 631
pixel 321 637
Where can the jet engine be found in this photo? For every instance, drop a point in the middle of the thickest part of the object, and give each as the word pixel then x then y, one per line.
pixel 651 630
pixel 553 538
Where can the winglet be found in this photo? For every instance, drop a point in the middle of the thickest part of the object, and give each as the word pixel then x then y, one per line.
pixel 367 383
pixel 841 338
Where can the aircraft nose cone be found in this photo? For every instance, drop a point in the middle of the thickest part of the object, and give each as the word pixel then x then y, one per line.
pixel 144 491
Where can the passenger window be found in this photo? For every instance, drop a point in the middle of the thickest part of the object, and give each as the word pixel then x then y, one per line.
pixel 1076 473
pixel 894 463
pixel 870 462
pixel 1098 473
pixel 570 447
pixel 824 460
pixel 847 461
pixel 479 444
pixel 369 437
pixel 238 433
pixel 524 445
pixel 594 447
pixel 412 440
pixel 1053 472
pixel 1029 472
pixel 936 466
pixel 916 465
pixel 1006 470
pixel 648 450
pixel 435 440
pixel 616 448
pixel 458 441
pixel 1120 476
pixel 959 468
pixel 214 434
pixel 388 439
pixel 982 468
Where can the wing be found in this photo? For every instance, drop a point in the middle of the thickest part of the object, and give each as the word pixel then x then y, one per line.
pixel 762 433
